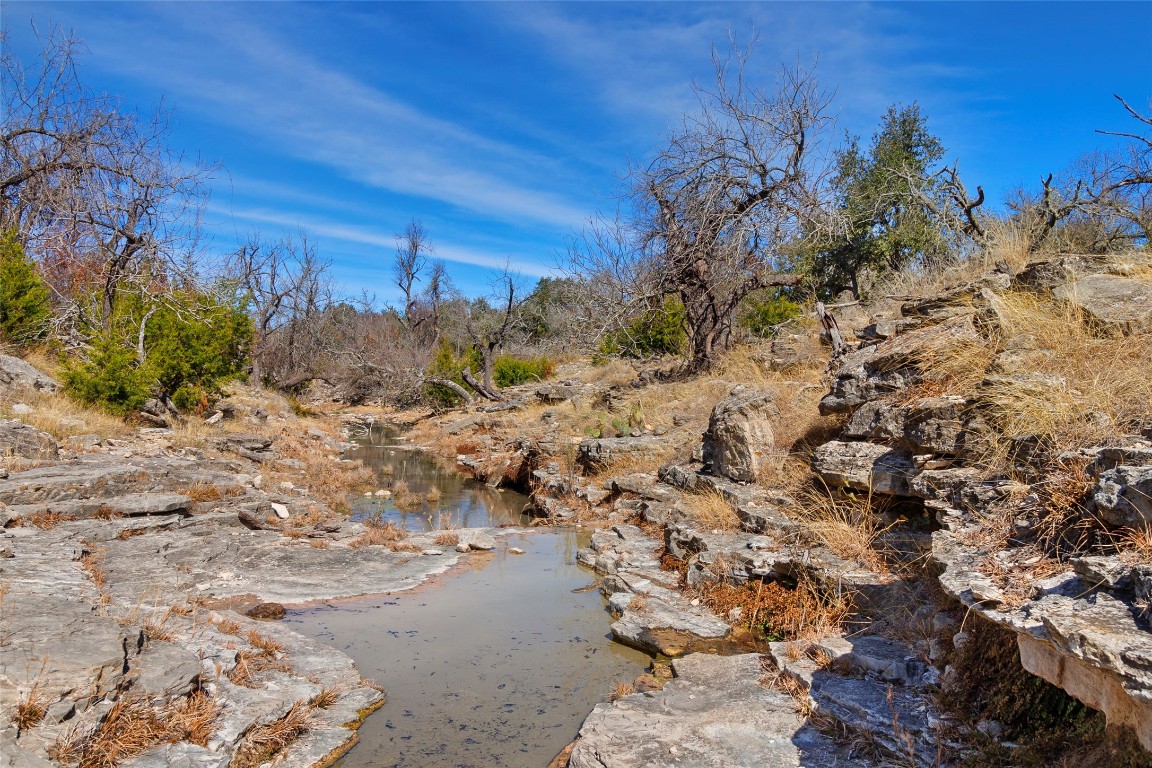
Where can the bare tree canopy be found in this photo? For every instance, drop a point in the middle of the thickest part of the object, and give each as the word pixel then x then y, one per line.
pixel 716 212
pixel 91 189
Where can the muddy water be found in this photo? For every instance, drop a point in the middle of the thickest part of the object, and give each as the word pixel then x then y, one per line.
pixel 493 665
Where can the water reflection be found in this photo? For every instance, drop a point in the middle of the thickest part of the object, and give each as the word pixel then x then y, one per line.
pixel 496 667
pixel 433 496
pixel 498 663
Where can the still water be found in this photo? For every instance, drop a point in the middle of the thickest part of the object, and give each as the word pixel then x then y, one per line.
pixel 493 665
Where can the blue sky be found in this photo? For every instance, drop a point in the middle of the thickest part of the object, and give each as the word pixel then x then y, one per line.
pixel 504 126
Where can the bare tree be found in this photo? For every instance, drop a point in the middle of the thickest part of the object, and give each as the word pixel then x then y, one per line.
pixel 491 327
pixel 288 291
pixel 739 183
pixel 1102 202
pixel 82 180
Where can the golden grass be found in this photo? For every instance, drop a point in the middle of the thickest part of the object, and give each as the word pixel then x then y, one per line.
pixel 712 511
pixel 446 538
pixel 46 519
pixel 92 562
pixel 1109 389
pixel 1136 545
pixel 134 725
pixel 262 743
pixel 324 698
pixel 845 523
pixel 620 690
pixel 62 417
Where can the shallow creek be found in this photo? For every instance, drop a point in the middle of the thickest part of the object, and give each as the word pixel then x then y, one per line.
pixel 497 662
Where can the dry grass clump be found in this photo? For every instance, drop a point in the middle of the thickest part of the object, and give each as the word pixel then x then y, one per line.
pixel 46 519
pixel 389 534
pixel 31 706
pixel 1108 387
pixel 62 417
pixel 134 725
pixel 620 690
pixel 262 743
pixel 446 538
pixel 324 698
pixel 92 561
pixel 778 680
pixel 204 492
pixel 1135 545
pixel 777 612
pixel 712 510
pixel 844 522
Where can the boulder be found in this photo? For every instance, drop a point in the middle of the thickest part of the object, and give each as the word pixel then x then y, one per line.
pixel 1120 302
pixel 16 375
pixel 22 441
pixel 864 467
pixel 1123 496
pixel 739 438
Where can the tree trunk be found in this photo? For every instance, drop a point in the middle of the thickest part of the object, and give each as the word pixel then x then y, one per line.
pixel 483 391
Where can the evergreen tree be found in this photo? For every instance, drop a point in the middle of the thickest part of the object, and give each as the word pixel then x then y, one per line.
pixel 883 225
pixel 24 297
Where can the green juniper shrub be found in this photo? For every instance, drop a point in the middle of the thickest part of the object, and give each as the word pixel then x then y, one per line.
pixel 762 312
pixel 25 309
pixel 508 371
pixel 449 363
pixel 193 344
pixel 659 331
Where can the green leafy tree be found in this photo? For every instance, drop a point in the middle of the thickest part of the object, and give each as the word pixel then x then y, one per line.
pixel 24 298
pixel 883 224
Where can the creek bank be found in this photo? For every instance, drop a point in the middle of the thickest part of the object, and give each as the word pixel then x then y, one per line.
pixel 915 409
pixel 127 565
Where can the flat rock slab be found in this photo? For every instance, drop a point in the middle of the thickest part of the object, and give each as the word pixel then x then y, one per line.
pixel 864 467
pixel 714 714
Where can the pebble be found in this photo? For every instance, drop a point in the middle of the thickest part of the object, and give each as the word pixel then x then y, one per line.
pixel 515 551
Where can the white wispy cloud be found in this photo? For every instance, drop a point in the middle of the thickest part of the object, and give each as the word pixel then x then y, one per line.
pixel 376 238
pixel 235 71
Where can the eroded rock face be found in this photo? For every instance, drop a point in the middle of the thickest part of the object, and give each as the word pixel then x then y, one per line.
pixel 739 438
pixel 932 425
pixel 596 452
pixel 15 375
pixel 22 441
pixel 893 364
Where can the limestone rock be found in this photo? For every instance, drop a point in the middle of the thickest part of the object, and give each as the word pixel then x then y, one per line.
pixel 931 425
pixel 20 440
pixel 1123 496
pixel 892 364
pixel 739 437
pixel 864 467
pixel 597 452
pixel 1120 302
pixel 16 375
pixel 713 713
pixel 476 539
